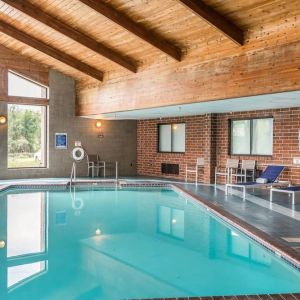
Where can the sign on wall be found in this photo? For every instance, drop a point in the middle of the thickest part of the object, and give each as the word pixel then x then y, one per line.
pixel 61 141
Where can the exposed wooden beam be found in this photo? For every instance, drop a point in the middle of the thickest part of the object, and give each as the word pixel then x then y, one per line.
pixel 59 55
pixel 38 14
pixel 215 19
pixel 122 20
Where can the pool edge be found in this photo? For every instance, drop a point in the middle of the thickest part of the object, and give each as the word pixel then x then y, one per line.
pixel 286 253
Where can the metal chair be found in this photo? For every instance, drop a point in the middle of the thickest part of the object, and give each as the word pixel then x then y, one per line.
pixel 247 170
pixel 227 171
pixel 199 163
pixel 94 162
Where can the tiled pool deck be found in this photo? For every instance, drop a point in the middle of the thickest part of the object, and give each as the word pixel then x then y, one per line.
pixel 278 223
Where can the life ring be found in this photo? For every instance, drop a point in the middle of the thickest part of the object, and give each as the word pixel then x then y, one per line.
pixel 78 154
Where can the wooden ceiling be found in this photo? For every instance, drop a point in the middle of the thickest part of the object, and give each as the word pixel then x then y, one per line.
pixel 132 35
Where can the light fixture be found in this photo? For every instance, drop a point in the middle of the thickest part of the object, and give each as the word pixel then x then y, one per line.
pixel 2 244
pixel 98 126
pixel 98 231
pixel 3 120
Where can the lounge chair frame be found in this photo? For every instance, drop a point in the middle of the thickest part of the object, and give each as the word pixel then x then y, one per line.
pixel 258 185
pixel 289 192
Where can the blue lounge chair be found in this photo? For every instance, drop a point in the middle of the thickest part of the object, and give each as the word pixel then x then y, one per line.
pixel 291 190
pixel 269 177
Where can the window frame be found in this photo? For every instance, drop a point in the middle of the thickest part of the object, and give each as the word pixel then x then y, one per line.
pixel 230 121
pixel 27 79
pixel 158 137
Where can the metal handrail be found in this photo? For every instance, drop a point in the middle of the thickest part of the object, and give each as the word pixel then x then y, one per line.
pixel 73 174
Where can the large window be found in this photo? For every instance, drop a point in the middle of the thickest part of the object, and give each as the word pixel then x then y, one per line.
pixel 252 137
pixel 171 137
pixel 27 124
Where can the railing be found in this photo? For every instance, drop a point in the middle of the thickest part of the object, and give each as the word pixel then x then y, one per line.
pixel 73 174
pixel 116 171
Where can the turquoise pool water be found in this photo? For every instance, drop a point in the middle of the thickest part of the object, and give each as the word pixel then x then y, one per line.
pixel 118 244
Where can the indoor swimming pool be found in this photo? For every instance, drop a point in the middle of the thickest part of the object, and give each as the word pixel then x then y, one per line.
pixel 108 243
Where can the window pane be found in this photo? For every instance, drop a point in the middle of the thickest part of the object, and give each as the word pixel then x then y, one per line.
pixel 26 136
pixel 25 224
pixel 240 137
pixel 22 87
pixel 262 136
pixel 165 138
pixel 178 137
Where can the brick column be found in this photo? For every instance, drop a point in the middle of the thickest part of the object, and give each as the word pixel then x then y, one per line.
pixel 210 147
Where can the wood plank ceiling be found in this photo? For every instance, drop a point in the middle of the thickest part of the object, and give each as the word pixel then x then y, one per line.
pixel 118 37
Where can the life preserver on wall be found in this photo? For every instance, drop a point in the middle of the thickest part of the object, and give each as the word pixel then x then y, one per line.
pixel 78 154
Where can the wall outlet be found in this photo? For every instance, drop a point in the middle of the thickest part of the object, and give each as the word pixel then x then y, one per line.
pixel 296 160
pixel 77 143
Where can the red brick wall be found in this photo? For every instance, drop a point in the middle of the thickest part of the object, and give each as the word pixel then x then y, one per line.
pixel 197 144
pixel 286 128
pixel 208 136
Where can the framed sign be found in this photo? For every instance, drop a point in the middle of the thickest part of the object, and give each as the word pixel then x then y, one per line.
pixel 61 141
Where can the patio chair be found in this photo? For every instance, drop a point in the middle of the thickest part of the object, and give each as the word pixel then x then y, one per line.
pixel 269 177
pixel 194 169
pixel 247 170
pixel 231 166
pixel 94 163
pixel 290 190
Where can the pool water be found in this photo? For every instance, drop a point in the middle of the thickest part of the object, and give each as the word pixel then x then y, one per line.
pixel 130 243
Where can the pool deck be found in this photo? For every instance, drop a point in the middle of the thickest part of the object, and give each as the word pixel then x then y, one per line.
pixel 277 223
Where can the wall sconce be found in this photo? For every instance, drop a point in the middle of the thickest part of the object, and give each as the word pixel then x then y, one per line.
pixel 3 120
pixel 98 126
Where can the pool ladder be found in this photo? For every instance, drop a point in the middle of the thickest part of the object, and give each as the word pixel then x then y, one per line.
pixel 73 175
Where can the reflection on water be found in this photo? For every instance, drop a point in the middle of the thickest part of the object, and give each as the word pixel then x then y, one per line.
pixel 20 273
pixel 171 221
pixel 108 244
pixel 25 224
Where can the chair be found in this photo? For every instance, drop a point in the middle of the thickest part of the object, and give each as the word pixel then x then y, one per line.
pixel 246 171
pixel 269 177
pixel 94 162
pixel 231 164
pixel 199 163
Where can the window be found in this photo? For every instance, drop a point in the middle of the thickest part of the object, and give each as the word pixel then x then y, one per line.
pixel 27 136
pixel 252 137
pixel 22 87
pixel 171 137
pixel 171 221
pixel 27 124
